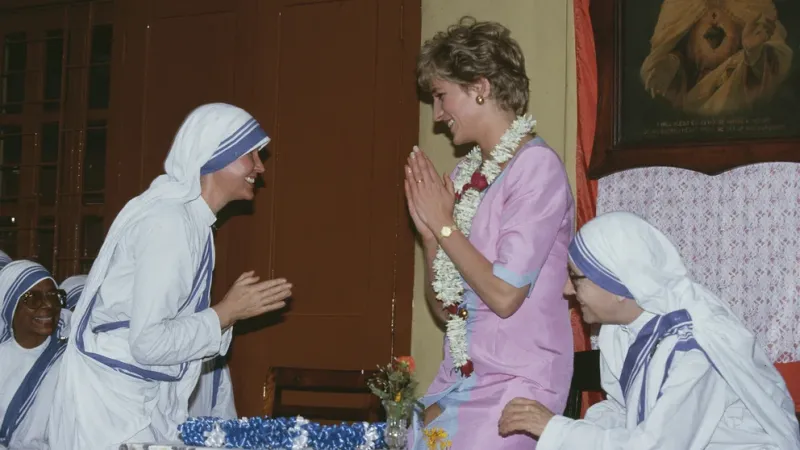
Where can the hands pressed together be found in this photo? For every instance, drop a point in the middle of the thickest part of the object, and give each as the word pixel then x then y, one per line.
pixel 431 197
pixel 250 297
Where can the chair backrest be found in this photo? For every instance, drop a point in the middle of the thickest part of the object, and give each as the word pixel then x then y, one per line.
pixel 585 378
pixel 282 379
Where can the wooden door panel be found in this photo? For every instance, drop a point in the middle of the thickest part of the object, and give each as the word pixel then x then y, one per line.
pixel 325 140
pixel 189 62
pixel 189 8
pixel 332 84
pixel 336 95
pixel 59 111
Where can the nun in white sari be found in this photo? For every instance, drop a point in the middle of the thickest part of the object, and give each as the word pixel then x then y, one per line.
pixel 143 325
pixel 73 286
pixel 30 351
pixel 213 396
pixel 680 370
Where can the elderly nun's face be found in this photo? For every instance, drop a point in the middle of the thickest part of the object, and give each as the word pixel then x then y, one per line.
pixel 597 304
pixel 37 313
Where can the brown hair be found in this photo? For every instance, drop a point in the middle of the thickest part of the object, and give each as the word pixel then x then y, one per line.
pixel 471 50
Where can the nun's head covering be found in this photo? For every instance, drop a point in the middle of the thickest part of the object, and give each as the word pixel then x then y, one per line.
pixel 4 259
pixel 211 137
pixel 73 286
pixel 16 279
pixel 625 255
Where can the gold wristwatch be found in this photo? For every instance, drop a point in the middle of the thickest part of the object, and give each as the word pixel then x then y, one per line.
pixel 447 230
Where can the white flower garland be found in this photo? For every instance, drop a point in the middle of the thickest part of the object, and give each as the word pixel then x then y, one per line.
pixel 447 281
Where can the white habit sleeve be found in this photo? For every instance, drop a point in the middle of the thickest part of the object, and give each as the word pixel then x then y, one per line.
pixel 684 418
pixel 162 281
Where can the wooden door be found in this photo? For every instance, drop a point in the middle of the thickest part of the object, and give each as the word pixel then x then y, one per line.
pixel 54 114
pixel 331 81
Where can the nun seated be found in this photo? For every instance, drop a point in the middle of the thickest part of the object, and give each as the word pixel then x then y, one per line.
pixel 32 340
pixel 679 369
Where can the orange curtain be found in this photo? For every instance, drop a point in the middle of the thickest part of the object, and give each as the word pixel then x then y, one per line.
pixel 791 374
pixel 586 72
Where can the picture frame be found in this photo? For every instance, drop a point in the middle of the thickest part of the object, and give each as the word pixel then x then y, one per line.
pixel 679 88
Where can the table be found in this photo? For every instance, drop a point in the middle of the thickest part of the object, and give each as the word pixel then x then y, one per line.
pixel 151 446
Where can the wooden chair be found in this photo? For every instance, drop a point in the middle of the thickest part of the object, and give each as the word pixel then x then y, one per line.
pixel 280 379
pixel 585 378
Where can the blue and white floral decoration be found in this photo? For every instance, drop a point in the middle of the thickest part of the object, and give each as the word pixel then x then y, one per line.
pixel 286 433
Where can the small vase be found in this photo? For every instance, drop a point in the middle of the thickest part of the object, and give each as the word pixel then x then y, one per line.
pixel 396 432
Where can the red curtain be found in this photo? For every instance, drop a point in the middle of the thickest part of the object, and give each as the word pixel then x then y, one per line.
pixel 586 73
pixel 791 374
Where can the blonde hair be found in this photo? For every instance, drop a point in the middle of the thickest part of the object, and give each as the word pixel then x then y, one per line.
pixel 471 50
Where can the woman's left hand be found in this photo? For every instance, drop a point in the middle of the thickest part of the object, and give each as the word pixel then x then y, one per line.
pixel 433 195
pixel 524 416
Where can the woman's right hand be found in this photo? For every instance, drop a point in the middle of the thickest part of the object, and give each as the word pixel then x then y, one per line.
pixel 425 233
pixel 249 297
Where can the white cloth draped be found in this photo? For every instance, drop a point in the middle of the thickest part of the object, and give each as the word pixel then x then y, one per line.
pixel 728 395
pixel 213 396
pixel 4 259
pixel 142 327
pixel 24 411
pixel 73 286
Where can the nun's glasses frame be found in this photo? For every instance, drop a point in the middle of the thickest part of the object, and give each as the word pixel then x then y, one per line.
pixel 36 299
pixel 574 277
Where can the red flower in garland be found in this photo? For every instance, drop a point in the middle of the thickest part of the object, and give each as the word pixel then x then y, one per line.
pixel 477 182
pixel 467 368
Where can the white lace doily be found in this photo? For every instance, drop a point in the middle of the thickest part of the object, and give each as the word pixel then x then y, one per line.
pixel 739 234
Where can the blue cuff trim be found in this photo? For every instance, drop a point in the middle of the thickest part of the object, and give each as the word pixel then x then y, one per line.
pixel 514 278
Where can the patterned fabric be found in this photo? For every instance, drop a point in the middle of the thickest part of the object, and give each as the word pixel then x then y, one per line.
pixel 738 232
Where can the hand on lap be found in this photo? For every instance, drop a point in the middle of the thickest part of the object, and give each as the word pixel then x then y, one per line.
pixel 524 416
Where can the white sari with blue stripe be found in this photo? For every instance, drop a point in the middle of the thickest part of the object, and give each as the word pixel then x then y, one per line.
pixel 213 396
pixel 143 327
pixel 28 376
pixel 686 374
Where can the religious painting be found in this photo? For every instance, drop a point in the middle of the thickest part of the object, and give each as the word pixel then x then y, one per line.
pixel 701 84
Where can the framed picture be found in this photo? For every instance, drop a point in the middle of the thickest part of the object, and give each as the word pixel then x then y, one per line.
pixel 706 85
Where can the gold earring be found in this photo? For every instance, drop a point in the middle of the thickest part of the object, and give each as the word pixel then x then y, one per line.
pixel 479 99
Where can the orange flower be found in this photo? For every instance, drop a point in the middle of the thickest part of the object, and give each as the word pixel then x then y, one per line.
pixel 406 363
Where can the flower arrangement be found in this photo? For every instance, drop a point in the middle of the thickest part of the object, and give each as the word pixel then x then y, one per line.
pixel 436 439
pixel 395 385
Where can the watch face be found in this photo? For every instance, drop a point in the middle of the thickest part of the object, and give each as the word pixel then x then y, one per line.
pixel 446 231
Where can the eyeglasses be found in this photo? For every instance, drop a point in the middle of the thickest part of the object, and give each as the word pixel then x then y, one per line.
pixel 573 277
pixel 36 299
